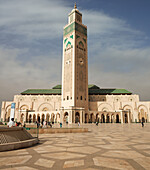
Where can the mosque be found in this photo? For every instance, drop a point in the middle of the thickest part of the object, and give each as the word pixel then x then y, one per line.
pixel 76 101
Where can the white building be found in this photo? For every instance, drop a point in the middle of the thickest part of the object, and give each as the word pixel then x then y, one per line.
pixel 76 101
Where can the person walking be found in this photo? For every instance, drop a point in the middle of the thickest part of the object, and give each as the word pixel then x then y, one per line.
pixel 142 123
pixel 11 123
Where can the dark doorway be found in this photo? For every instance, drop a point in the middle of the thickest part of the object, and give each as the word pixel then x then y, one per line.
pixel 107 118
pixel 117 118
pixel 86 118
pixel 102 118
pixel 77 117
pixel 126 118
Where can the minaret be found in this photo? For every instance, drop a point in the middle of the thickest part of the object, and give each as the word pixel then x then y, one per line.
pixel 75 63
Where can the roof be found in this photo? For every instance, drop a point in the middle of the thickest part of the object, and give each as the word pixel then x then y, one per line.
pixel 108 91
pixel 93 90
pixel 42 91
pixel 93 86
pixel 57 87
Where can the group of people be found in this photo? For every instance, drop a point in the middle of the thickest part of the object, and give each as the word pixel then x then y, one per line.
pixel 12 123
pixel 44 124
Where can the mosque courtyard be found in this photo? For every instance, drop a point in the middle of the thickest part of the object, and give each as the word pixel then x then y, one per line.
pixel 106 146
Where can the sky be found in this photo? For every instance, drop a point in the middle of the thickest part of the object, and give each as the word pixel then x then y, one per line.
pixel 31 36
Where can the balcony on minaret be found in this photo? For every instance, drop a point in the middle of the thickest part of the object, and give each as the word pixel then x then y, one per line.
pixel 75 16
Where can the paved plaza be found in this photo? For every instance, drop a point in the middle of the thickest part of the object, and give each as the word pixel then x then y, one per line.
pixel 106 146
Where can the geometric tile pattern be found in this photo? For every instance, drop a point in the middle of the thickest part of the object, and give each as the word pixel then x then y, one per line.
pixel 106 146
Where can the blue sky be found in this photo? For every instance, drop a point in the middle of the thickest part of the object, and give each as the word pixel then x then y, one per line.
pixel 31 44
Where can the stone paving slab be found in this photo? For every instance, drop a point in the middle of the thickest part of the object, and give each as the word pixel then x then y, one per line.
pixel 107 146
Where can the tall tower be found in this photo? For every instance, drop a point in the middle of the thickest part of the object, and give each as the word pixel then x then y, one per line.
pixel 75 63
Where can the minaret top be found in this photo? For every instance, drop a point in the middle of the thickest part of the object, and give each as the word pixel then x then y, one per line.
pixel 75 6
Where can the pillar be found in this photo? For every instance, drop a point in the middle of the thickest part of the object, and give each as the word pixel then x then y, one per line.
pixel 128 117
pixel 121 114
pixel 81 117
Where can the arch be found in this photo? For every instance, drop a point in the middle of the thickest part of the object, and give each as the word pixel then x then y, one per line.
pixel 38 118
pixel 143 106
pixel 45 105
pixel 125 118
pixel 68 43
pixel 86 118
pixel 112 118
pixel 142 115
pixel 128 107
pixel 22 118
pixel 45 109
pixel 52 118
pixel 34 118
pixel 105 106
pixel 97 117
pixel 66 117
pixel 30 118
pixel 7 114
pixel 42 118
pixel 81 44
pixel 47 117
pixel 107 118
pixel 117 118
pixel 58 117
pixel 102 118
pixel 24 107
pixel 77 117
pixel 92 119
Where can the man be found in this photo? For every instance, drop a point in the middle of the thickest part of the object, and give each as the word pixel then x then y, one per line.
pixel 11 123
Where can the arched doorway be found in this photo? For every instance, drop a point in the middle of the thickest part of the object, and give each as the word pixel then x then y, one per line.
pixel 34 118
pixel 7 115
pixel 107 119
pixel 92 120
pixel 125 118
pixel 58 117
pixel 97 117
pixel 77 117
pixel 102 118
pixel 47 117
pixel 66 117
pixel 30 118
pixel 52 118
pixel 86 118
pixel 117 118
pixel 112 118
pixel 142 115
pixel 38 118
pixel 22 118
pixel 43 118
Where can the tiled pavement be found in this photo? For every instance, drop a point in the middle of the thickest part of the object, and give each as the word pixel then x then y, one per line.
pixel 107 146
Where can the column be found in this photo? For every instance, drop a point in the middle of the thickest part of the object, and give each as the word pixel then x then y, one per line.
pixel 70 117
pixel 128 117
pixel 105 118
pixel 83 116
pixel 61 116
pixel 80 117
pixel 121 114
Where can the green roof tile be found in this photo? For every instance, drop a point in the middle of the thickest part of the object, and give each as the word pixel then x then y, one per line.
pixel 108 91
pixel 57 87
pixel 57 91
pixel 42 91
pixel 93 86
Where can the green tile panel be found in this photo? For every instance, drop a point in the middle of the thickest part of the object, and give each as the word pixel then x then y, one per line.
pixel 58 91
pixel 108 91
pixel 42 91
